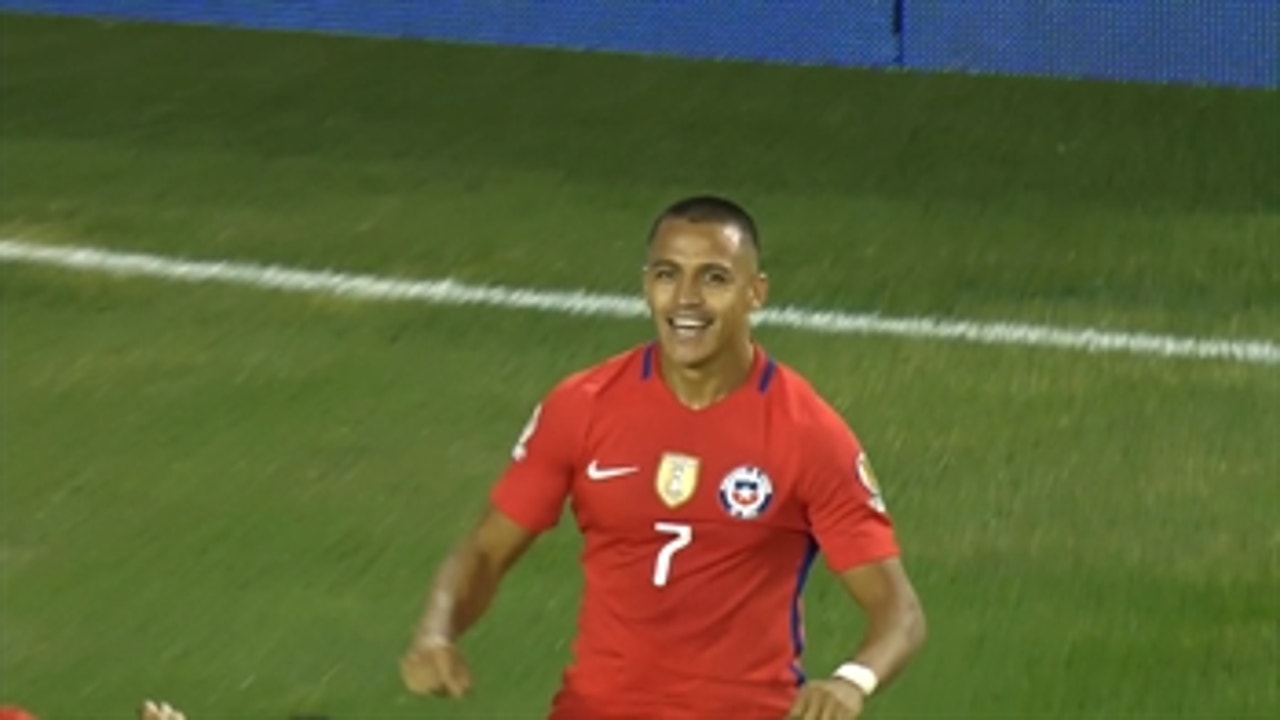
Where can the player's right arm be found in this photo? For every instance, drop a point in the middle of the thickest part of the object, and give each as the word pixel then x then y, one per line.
pixel 526 501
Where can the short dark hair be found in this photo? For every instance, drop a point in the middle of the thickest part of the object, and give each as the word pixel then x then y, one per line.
pixel 710 208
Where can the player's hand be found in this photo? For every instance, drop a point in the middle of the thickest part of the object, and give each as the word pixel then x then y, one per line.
pixel 827 699
pixel 435 671
pixel 152 710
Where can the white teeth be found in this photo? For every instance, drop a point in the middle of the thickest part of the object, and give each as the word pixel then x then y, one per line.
pixel 687 324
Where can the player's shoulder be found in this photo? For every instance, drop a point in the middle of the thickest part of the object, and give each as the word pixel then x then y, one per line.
pixel 590 382
pixel 806 409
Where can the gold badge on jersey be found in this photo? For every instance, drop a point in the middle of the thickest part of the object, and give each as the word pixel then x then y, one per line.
pixel 677 478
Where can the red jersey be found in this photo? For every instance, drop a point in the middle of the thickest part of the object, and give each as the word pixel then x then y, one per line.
pixel 699 526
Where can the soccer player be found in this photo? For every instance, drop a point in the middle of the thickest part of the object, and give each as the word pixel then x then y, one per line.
pixel 705 476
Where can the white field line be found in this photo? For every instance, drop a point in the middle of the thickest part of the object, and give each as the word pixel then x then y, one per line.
pixel 581 302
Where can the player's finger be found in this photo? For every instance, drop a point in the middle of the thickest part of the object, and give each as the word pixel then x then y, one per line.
pixel 821 706
pixel 452 687
pixel 799 708
pixel 457 680
pixel 464 676
pixel 452 674
pixel 439 668
pixel 829 709
pixel 833 709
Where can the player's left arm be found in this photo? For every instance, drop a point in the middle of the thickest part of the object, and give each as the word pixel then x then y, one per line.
pixel 895 631
pixel 851 523
pixel 895 622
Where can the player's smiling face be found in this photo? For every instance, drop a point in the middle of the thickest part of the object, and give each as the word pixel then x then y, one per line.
pixel 702 281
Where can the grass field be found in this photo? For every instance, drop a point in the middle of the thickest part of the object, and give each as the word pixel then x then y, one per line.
pixel 234 499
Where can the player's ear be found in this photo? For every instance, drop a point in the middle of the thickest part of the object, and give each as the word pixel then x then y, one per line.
pixel 759 291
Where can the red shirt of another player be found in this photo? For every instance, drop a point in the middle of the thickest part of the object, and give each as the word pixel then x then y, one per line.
pixel 700 527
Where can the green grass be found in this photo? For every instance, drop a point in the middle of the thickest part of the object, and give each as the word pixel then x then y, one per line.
pixel 1086 204
pixel 235 499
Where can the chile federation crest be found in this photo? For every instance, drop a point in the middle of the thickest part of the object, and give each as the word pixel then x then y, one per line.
pixel 745 493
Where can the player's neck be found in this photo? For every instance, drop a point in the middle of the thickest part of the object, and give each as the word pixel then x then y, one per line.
pixel 700 387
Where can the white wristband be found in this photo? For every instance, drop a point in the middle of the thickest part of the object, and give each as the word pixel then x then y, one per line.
pixel 860 675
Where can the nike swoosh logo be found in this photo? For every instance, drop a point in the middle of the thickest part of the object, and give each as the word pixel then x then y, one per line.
pixel 595 472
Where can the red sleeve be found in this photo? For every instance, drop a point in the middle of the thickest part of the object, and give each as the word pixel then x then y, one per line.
pixel 846 512
pixel 533 488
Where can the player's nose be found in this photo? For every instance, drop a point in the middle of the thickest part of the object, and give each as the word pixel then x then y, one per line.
pixel 689 293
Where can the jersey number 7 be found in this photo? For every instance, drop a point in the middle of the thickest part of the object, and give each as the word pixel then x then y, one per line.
pixel 681 535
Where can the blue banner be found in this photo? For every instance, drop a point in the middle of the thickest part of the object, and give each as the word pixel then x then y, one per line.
pixel 826 32
pixel 1213 42
pixel 1216 42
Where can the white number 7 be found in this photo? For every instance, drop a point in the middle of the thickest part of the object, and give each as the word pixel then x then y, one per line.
pixel 683 535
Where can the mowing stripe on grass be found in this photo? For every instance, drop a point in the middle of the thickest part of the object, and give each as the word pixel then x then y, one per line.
pixel 581 302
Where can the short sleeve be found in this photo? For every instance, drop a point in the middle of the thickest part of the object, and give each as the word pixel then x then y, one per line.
pixel 843 502
pixel 533 488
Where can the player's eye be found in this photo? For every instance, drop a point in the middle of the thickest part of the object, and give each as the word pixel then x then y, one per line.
pixel 664 273
pixel 717 277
